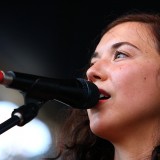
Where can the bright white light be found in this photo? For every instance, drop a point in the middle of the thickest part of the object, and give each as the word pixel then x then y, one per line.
pixel 30 140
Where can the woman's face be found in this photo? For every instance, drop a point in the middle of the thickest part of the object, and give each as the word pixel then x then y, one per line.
pixel 126 69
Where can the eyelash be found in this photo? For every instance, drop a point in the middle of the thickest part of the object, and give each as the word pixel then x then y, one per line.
pixel 90 64
pixel 119 53
pixel 115 56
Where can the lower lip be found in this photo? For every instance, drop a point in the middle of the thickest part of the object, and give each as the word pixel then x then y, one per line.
pixel 100 103
pixel 103 101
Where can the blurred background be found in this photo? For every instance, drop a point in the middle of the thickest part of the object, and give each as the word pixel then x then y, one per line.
pixel 53 39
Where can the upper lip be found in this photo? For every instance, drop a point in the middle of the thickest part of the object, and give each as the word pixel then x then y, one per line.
pixel 104 94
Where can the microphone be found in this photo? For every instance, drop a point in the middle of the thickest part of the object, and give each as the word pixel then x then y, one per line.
pixel 77 93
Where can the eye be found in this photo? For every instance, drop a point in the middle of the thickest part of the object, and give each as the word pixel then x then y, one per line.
pixel 119 54
pixel 90 64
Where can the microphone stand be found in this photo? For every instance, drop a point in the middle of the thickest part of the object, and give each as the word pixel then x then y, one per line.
pixel 21 116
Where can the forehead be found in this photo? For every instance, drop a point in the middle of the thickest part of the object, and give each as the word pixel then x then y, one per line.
pixel 133 32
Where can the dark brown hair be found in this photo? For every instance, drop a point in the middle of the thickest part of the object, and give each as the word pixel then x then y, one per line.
pixel 76 141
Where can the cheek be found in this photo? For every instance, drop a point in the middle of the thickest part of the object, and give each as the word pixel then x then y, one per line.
pixel 137 88
pixel 133 80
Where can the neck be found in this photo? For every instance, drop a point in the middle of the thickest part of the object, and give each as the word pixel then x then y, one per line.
pixel 123 153
pixel 138 145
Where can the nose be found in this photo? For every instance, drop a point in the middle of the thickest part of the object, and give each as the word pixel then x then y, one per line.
pixel 97 72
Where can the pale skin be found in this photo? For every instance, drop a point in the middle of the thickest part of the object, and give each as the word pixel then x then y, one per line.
pixel 126 66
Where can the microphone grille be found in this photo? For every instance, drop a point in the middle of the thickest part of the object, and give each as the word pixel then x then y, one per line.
pixel 91 93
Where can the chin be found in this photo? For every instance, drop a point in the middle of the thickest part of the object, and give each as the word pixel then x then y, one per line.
pixel 98 129
pixel 109 131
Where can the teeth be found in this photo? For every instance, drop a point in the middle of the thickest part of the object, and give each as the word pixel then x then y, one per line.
pixel 102 96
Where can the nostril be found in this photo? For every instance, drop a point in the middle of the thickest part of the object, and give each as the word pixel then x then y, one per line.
pixel 93 78
pixel 93 74
pixel 97 77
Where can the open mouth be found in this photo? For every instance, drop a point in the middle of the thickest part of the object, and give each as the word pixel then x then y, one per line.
pixel 104 97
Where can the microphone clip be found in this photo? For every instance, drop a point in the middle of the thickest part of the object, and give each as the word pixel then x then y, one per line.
pixel 20 116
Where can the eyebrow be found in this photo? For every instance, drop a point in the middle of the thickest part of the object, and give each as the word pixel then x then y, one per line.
pixel 115 46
